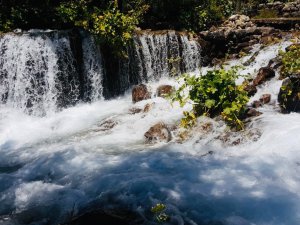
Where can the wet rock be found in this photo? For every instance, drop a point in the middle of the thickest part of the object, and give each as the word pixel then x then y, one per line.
pixel 148 107
pixel 275 63
pixel 251 89
pixel 140 92
pixel 265 98
pixel 135 110
pixel 157 133
pixel 253 113
pixel 264 74
pixel 107 125
pixel 256 104
pixel 164 90
pixel 289 95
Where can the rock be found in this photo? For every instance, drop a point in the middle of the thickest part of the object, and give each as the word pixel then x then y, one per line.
pixel 264 74
pixel 164 90
pixel 140 92
pixel 256 104
pixel 265 99
pixel 289 95
pixel 157 133
pixel 107 125
pixel 275 63
pixel 135 110
pixel 251 89
pixel 252 113
pixel 148 107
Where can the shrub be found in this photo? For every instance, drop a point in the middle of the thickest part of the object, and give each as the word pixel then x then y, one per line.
pixel 213 94
pixel 290 61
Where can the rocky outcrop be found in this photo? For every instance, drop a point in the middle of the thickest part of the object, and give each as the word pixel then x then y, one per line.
pixel 157 133
pixel 140 92
pixel 164 90
pixel 289 9
pixel 236 34
pixel 264 74
pixel 289 95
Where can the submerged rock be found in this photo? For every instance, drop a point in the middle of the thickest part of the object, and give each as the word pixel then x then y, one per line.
pixel 157 133
pixel 264 74
pixel 164 90
pixel 140 92
pixel 107 125
pixel 135 110
pixel 289 95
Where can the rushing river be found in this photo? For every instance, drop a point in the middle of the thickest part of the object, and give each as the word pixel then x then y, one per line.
pixel 54 166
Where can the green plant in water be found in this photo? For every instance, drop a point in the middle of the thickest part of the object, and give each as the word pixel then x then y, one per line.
pixel 159 211
pixel 213 94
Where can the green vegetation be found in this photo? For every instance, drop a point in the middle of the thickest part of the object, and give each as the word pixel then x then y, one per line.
pixel 112 26
pixel 159 212
pixel 290 61
pixel 212 95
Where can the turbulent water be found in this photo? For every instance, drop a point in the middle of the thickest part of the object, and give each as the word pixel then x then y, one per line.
pixel 93 154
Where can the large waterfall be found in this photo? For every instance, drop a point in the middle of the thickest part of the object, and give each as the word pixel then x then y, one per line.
pixel 44 71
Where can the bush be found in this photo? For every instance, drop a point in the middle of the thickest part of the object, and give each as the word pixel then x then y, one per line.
pixel 212 95
pixel 290 61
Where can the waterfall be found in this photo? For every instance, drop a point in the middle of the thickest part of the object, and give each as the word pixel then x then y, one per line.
pixel 42 72
pixel 165 53
pixel 92 68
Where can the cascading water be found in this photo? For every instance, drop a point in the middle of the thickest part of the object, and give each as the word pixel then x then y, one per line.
pixel 93 156
pixel 164 54
pixel 45 71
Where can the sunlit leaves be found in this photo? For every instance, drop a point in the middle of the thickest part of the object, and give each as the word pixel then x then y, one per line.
pixel 213 94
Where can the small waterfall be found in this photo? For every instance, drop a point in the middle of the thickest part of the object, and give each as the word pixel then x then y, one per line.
pixel 42 72
pixel 165 53
pixel 92 68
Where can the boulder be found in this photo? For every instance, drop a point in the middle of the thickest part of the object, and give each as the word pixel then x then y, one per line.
pixel 140 92
pixel 265 98
pixel 289 95
pixel 264 74
pixel 157 133
pixel 164 90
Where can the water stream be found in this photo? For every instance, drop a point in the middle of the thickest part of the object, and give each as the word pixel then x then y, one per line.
pixel 56 163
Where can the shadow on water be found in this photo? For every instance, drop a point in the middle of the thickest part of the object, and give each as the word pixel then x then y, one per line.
pixel 196 190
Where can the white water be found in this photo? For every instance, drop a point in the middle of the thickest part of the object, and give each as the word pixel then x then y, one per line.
pixel 52 167
pixel 161 55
